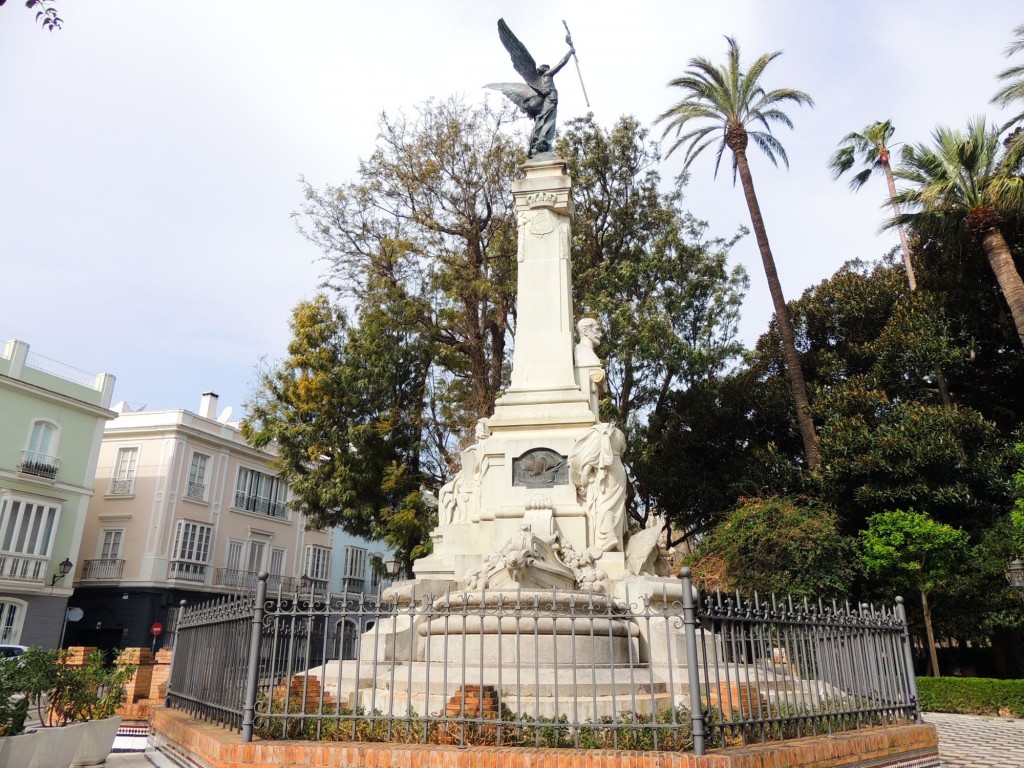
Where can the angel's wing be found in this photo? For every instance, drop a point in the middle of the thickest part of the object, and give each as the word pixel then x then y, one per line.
pixel 522 95
pixel 521 58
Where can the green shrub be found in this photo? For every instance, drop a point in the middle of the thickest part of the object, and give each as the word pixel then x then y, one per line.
pixel 972 695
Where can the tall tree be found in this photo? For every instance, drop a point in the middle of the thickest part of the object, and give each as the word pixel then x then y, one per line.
pixel 1012 78
pixel 964 187
pixel 661 288
pixel 871 147
pixel 345 410
pixel 731 101
pixel 431 215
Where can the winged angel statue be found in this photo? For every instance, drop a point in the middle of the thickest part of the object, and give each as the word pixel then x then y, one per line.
pixel 537 97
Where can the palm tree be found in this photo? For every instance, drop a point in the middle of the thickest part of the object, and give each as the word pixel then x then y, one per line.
pixel 871 147
pixel 965 186
pixel 1013 77
pixel 724 105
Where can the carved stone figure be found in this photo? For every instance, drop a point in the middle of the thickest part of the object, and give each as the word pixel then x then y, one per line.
pixel 590 336
pixel 538 97
pixel 595 468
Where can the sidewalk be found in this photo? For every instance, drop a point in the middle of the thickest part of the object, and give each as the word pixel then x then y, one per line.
pixel 976 741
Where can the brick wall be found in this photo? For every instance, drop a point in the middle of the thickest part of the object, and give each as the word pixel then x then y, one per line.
pixel 906 746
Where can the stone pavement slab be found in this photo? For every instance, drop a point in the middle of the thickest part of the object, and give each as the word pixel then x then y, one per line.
pixel 977 741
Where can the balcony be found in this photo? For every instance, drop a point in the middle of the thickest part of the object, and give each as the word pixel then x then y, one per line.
pixel 38 464
pixel 196 491
pixel 17 567
pixel 245 581
pixel 184 570
pixel 261 506
pixel 121 487
pixel 102 570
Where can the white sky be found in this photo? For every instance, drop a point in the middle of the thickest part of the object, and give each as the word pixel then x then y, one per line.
pixel 150 151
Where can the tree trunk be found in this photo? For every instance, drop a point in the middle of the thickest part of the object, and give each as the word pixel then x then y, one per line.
pixel 782 317
pixel 907 263
pixel 933 654
pixel 1010 283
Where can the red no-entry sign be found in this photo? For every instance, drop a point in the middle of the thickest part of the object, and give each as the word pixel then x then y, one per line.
pixel 156 629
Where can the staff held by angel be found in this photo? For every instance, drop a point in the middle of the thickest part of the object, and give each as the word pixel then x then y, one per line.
pixel 537 97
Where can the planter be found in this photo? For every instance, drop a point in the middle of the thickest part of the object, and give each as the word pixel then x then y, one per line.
pixel 97 741
pixel 57 746
pixel 18 750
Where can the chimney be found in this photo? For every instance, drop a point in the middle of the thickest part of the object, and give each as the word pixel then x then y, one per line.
pixel 208 405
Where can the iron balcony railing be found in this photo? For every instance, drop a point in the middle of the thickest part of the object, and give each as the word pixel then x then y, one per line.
pixel 102 570
pixel 122 487
pixel 246 581
pixel 18 567
pixel 261 505
pixel 39 464
pixel 185 570
pixel 196 491
pixel 541 668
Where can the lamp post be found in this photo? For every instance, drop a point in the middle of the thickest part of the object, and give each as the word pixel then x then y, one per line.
pixel 1015 575
pixel 65 568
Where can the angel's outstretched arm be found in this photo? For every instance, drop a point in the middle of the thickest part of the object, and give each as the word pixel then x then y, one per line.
pixel 565 60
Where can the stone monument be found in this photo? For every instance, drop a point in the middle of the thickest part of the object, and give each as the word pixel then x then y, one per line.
pixel 543 463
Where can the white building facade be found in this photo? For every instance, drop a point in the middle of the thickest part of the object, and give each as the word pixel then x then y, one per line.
pixel 184 509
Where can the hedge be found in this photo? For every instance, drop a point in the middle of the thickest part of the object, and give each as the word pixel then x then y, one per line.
pixel 972 695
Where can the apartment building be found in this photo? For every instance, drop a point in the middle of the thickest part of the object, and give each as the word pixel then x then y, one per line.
pixel 183 509
pixel 51 422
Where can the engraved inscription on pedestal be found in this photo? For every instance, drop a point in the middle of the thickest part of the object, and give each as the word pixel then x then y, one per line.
pixel 540 468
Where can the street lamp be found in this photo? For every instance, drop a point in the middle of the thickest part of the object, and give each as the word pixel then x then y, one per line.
pixel 65 569
pixel 392 566
pixel 1015 575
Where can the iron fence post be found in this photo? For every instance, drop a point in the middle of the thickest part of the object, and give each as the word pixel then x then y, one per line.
pixel 692 670
pixel 174 656
pixel 908 661
pixel 253 670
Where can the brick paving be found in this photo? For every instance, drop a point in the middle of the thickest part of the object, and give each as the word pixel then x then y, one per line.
pixel 976 741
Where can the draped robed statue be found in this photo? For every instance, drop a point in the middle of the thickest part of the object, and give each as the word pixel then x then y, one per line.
pixel 537 97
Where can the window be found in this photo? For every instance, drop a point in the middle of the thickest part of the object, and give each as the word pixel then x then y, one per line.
pixel 355 563
pixel 235 555
pixel 40 458
pixel 191 551
pixel 123 481
pixel 197 477
pixel 27 529
pixel 318 563
pixel 261 493
pixel 110 543
pixel 257 550
pixel 12 616
pixel 276 562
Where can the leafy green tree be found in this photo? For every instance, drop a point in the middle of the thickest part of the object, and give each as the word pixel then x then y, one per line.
pixel 727 103
pixel 910 550
pixel 421 248
pixel 965 187
pixel 661 289
pixel 344 410
pixel 778 546
pixel 871 147
pixel 431 215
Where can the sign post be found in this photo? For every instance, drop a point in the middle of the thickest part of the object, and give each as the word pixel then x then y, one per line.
pixel 156 630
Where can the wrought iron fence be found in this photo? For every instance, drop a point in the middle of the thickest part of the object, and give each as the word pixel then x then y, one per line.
pixel 654 670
